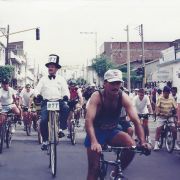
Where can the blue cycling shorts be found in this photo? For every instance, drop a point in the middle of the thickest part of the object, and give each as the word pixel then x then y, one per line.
pixel 103 136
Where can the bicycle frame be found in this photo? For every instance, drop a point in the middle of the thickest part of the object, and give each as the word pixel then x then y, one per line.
pixel 117 163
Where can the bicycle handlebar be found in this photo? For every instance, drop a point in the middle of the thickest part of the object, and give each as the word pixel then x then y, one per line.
pixel 136 149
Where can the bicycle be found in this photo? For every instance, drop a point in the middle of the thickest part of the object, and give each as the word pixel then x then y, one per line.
pixel 6 130
pixel 27 120
pixel 2 129
pixel 167 133
pixel 53 108
pixel 117 162
pixel 38 127
pixel 74 121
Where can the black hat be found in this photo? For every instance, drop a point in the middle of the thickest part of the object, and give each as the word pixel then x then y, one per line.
pixel 5 81
pixel 53 59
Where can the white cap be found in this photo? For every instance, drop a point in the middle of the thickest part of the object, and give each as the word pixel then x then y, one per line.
pixel 92 85
pixel 113 75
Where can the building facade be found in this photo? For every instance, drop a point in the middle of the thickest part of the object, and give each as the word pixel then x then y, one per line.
pixel 117 51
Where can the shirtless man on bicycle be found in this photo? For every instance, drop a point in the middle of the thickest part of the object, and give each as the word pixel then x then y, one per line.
pixel 102 120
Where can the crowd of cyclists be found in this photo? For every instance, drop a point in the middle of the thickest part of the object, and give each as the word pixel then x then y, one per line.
pixel 111 112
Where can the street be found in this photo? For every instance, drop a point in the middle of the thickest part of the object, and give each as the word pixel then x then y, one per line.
pixel 24 160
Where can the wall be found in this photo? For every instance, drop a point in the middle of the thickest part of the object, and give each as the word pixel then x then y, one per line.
pixel 117 51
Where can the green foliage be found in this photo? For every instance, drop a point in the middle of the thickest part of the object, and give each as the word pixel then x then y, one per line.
pixel 134 77
pixel 101 65
pixel 81 81
pixel 6 72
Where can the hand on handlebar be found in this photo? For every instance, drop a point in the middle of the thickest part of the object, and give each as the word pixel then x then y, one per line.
pixel 96 147
pixel 145 148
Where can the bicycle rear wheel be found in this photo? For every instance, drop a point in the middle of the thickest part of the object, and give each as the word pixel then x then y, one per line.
pixel 72 132
pixel 1 137
pixel 39 132
pixel 170 141
pixel 53 143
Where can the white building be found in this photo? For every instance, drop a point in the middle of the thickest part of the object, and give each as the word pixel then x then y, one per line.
pixel 168 68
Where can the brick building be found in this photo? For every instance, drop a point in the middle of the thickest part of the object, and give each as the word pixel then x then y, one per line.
pixel 117 51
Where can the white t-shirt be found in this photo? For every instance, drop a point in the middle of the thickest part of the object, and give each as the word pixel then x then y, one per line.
pixel 141 105
pixel 26 96
pixel 6 96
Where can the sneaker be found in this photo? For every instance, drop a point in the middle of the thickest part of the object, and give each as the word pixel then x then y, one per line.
pixel 12 129
pixel 112 175
pixel 61 134
pixel 149 140
pixel 68 136
pixel 156 147
pixel 44 146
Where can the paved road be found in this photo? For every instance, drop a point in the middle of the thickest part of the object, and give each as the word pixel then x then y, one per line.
pixel 25 161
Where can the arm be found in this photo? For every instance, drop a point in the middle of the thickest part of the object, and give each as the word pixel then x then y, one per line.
pixel 80 96
pixel 64 88
pixel 126 102
pixel 90 116
pixel 38 88
pixel 149 106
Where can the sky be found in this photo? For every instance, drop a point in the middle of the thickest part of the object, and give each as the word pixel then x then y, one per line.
pixel 61 21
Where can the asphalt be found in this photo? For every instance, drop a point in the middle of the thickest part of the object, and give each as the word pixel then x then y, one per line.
pixel 25 161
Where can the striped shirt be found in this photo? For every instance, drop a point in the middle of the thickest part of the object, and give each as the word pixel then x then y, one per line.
pixel 165 106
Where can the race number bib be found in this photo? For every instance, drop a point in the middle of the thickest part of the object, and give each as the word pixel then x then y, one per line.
pixel 53 106
pixel 52 59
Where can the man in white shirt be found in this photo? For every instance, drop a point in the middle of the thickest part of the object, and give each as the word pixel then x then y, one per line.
pixel 51 87
pixel 143 107
pixel 8 100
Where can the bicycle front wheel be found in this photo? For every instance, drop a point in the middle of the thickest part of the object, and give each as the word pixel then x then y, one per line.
pixel 1 137
pixel 28 128
pixel 72 132
pixel 170 141
pixel 8 136
pixel 53 142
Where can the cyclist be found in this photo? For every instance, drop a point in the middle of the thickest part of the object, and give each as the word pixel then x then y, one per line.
pixel 52 86
pixel 174 93
pixel 143 106
pixel 76 102
pixel 8 100
pixel 102 120
pixel 164 107
pixel 25 102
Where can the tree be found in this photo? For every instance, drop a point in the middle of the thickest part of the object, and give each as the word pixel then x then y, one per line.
pixel 101 65
pixel 6 72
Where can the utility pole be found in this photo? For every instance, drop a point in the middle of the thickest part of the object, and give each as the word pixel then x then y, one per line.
pixel 7 47
pixel 143 58
pixel 128 60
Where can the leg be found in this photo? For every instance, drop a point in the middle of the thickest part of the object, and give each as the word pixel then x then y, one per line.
pixel 146 127
pixel 123 139
pixel 44 123
pixel 93 164
pixel 64 112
